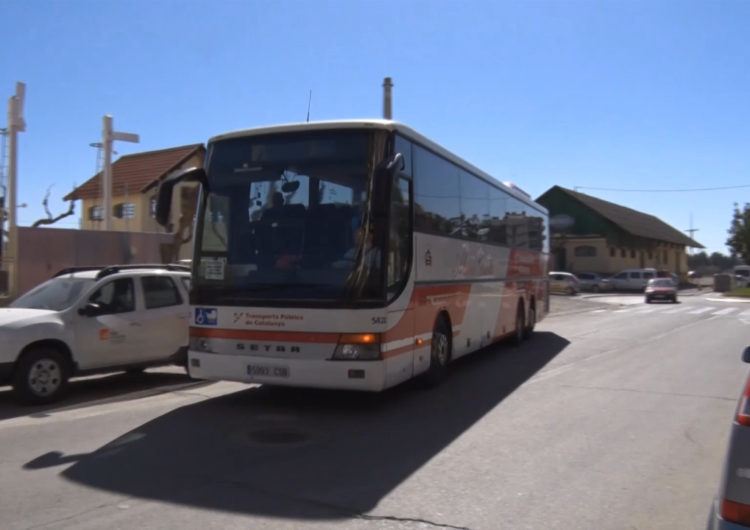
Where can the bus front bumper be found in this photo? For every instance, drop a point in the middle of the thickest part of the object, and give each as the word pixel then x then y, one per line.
pixel 344 375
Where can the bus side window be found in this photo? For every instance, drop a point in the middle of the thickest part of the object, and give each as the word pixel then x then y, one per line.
pixel 399 242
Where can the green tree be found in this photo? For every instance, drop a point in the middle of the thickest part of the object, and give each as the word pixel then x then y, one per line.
pixel 739 233
pixel 698 260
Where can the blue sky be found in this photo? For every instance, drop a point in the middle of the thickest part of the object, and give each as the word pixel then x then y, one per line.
pixel 590 94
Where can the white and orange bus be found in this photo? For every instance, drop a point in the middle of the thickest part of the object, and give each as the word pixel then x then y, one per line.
pixel 354 255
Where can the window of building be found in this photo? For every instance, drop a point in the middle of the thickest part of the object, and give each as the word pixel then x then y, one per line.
pixel 632 253
pixel 152 206
pixel 96 213
pixel 128 210
pixel 612 252
pixel 125 210
pixel 585 251
pixel 622 253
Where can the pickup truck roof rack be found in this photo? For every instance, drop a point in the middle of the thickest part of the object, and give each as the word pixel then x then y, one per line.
pixel 106 270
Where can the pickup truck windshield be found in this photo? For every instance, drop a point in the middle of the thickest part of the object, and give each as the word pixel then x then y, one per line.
pixel 55 294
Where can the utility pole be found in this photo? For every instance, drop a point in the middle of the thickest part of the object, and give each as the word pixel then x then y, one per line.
pixel 108 137
pixel 3 187
pixel 16 124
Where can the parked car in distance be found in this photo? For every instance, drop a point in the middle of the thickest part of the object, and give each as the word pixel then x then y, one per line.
pixel 93 319
pixel 731 507
pixel 742 275
pixel 661 289
pixel 563 283
pixel 590 281
pixel 632 279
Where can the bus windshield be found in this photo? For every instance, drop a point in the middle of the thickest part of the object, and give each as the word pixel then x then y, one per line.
pixel 289 217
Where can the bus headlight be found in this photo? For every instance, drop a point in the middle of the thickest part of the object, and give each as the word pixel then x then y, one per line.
pixel 358 347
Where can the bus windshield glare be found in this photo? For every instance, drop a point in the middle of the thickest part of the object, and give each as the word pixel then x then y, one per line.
pixel 289 217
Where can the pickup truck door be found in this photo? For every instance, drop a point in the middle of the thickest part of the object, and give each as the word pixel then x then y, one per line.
pixel 110 336
pixel 165 317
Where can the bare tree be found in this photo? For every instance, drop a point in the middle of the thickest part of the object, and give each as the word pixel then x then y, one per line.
pixel 50 219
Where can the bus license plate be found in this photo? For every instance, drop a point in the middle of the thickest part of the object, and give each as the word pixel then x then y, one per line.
pixel 264 370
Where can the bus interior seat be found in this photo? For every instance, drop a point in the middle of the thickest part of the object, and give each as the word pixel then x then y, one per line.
pixel 329 233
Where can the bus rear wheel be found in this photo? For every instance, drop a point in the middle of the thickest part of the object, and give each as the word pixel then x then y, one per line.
pixel 520 329
pixel 531 323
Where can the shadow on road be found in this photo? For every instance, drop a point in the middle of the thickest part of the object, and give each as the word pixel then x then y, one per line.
pixel 92 391
pixel 301 453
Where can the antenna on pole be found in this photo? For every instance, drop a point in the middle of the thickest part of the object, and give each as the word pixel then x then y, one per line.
pixel 387 98
pixel 309 100
pixel 691 230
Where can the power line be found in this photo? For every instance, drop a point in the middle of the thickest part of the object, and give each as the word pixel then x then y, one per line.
pixel 716 188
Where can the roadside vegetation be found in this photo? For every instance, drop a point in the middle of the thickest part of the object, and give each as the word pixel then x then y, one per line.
pixel 743 292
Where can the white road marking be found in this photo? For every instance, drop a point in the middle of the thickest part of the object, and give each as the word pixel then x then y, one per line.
pixel 729 299
pixel 700 310
pixel 725 311
pixel 679 309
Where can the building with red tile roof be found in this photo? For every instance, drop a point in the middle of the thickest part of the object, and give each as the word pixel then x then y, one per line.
pixel 135 182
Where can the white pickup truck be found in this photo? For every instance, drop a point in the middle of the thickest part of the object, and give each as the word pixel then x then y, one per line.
pixel 93 319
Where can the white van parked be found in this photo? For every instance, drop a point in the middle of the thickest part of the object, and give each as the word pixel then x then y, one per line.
pixel 631 279
pixel 742 275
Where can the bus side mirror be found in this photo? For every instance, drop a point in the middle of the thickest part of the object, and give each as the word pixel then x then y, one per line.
pixel 396 164
pixel 746 355
pixel 164 200
pixel 383 176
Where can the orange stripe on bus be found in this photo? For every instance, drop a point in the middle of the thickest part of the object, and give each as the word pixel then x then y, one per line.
pixel 277 336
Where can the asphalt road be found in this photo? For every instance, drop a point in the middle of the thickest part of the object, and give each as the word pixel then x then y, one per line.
pixel 613 416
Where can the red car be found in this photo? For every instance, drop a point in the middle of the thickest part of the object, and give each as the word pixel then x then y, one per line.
pixel 661 289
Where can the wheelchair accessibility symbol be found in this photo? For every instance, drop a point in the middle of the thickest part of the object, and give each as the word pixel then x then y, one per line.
pixel 205 316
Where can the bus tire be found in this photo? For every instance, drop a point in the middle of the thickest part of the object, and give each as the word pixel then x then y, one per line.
pixel 520 329
pixel 440 355
pixel 532 321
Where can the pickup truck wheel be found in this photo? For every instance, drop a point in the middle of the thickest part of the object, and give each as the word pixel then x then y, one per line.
pixel 40 376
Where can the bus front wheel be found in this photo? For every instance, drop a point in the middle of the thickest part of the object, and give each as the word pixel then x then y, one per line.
pixel 440 355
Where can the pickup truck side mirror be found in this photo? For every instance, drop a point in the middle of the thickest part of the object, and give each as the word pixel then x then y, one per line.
pixel 91 309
